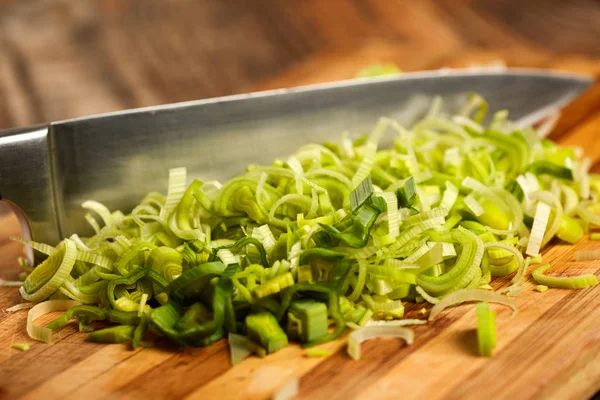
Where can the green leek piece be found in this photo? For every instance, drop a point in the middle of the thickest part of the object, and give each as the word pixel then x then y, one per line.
pixel 562 282
pixel 548 168
pixel 165 317
pixel 131 255
pixel 84 314
pixel 222 309
pixel 536 260
pixel 195 314
pixel 333 308
pixel 486 329
pixel 305 273
pixel 361 194
pixel 240 244
pixel 140 331
pixel 274 285
pixel 358 235
pixel 570 230
pixel 25 346
pixel 464 270
pixel 407 194
pixel 166 261
pixel 314 352
pixel 131 279
pixel 327 265
pixel 114 334
pixel 307 320
pixel 493 216
pixel 162 298
pixel 122 317
pixel 263 329
pixel 595 236
pixel 504 269
pixel 47 277
pixel 195 279
pixel 541 288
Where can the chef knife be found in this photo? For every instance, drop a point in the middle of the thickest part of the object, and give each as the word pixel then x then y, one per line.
pixel 47 171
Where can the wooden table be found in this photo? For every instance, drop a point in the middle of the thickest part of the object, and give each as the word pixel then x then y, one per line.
pixel 551 348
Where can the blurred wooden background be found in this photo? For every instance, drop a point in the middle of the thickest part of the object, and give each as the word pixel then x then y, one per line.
pixel 66 58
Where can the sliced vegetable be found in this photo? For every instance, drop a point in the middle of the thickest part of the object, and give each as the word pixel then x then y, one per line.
pixel 541 288
pixel 371 332
pixel 263 329
pixel 114 334
pixel 307 320
pixel 239 348
pixel 562 282
pixel 315 352
pixel 486 329
pixel 41 333
pixel 47 277
pixel 20 346
pixel 338 235
pixel 466 295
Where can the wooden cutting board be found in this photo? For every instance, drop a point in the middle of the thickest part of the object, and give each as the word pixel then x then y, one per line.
pixel 550 349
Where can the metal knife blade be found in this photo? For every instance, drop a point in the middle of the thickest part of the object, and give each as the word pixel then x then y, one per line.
pixel 116 158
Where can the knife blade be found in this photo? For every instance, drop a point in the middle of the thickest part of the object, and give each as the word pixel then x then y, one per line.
pixel 48 171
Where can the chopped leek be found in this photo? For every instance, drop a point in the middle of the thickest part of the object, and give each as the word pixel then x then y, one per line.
pixel 360 335
pixel 464 295
pixel 361 194
pixel 563 282
pixel 541 288
pixel 20 346
pixel 114 334
pixel 42 333
pixel 239 348
pixel 338 235
pixel 307 320
pixel 314 352
pixel 486 329
pixel 540 221
pixel 263 329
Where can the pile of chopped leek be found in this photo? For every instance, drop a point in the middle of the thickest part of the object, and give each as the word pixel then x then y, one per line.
pixel 337 235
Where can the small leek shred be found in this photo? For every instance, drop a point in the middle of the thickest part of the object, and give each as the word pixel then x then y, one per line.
pixel 486 329
pixel 541 288
pixel 361 194
pixel 345 232
pixel 315 352
pixel 264 330
pixel 21 306
pixel 536 260
pixel 10 284
pixel 20 346
pixel 562 282
pixel 465 295
pixel 239 348
pixel 114 334
pixel 371 332
pixel 42 333
pixel 542 214
pixel 595 236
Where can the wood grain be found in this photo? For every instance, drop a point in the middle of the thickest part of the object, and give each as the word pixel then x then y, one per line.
pixel 95 56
